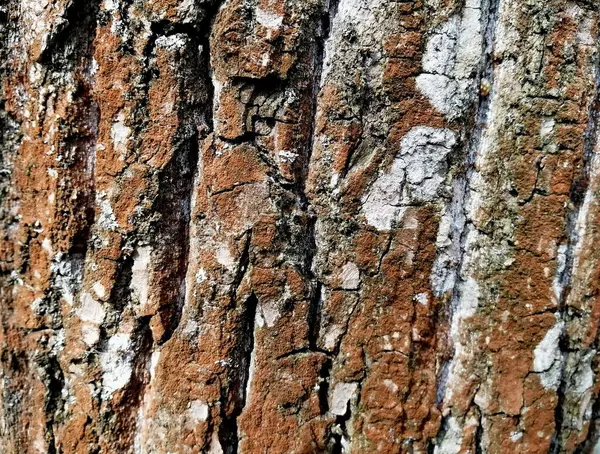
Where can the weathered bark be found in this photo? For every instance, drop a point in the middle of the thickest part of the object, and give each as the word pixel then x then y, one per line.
pixel 300 226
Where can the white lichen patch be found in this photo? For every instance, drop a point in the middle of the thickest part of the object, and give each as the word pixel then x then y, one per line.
pixel 99 290
pixel 200 276
pixel 350 276
pixel 188 10
pixel 47 246
pixel 422 298
pixel 57 342
pixel 36 73
pixel 342 393
pixel 389 384
pixel 381 206
pixel 172 42
pixel 450 62
pixel 386 344
pixel 90 334
pixel 107 219
pixel 67 277
pixel 140 274
pixel 360 17
pixel 547 127
pixel 467 304
pixel 268 19
pixel 119 134
pixel 268 313
pixel 516 436
pixel 287 156
pixel 215 445
pixel 116 364
pixel 37 305
pixel 197 412
pixel 154 359
pixel 90 310
pixel 110 5
pixel 585 29
pixel 452 223
pixel 561 263
pixel 416 175
pixel 332 336
pixel 547 357
pixel 225 258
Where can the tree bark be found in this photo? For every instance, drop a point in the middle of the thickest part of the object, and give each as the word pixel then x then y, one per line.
pixel 300 226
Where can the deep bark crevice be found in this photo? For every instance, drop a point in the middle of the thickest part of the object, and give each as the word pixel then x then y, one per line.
pixel 234 398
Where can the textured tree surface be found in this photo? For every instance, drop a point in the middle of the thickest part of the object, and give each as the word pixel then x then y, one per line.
pixel 299 226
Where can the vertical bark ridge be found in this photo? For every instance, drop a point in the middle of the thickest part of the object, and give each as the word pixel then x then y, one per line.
pixel 538 196
pixel 574 411
pixel 52 190
pixel 446 277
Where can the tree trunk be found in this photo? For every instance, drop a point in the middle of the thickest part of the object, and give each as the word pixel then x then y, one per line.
pixel 300 226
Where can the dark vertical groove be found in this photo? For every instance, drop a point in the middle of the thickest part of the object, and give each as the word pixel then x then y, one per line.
pixel 70 49
pixel 55 383
pixel 209 22
pixel 175 225
pixel 324 377
pixel 314 317
pixel 200 36
pixel 10 131
pixel 490 10
pixel 195 121
pixel 120 295
pixel 323 34
pixel 61 50
pixel 235 396
pixel 479 449
pixel 243 265
pixel 580 187
pixel 315 308
pixel 593 436
pixel 134 392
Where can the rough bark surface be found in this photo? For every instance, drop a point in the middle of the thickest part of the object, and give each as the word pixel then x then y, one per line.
pixel 299 226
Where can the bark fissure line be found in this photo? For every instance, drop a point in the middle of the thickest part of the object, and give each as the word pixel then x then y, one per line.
pixel 462 187
pixel 243 357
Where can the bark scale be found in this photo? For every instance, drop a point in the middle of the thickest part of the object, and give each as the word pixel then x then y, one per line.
pixel 342 226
